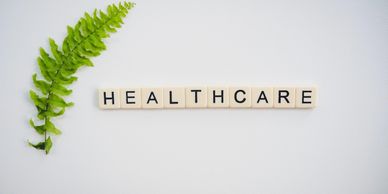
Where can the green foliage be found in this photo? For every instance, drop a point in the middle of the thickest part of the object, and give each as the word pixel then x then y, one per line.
pixel 83 41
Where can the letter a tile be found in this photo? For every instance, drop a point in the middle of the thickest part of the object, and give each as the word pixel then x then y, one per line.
pixel 152 97
pixel 262 97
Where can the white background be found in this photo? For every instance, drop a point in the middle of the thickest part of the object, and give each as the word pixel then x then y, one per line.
pixel 341 147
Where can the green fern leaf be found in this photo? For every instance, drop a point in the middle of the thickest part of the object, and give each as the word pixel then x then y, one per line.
pixel 57 68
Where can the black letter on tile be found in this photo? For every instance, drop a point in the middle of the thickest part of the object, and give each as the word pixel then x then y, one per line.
pixel 128 97
pixel 303 96
pixel 262 96
pixel 221 95
pixel 196 95
pixel 235 96
pixel 283 96
pixel 172 102
pixel 109 98
pixel 152 97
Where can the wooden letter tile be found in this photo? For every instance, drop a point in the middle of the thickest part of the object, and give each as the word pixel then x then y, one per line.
pixel 306 97
pixel 284 97
pixel 218 97
pixel 196 97
pixel 109 98
pixel 262 97
pixel 174 97
pixel 240 97
pixel 130 98
pixel 152 97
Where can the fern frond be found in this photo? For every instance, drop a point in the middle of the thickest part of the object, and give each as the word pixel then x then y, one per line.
pixel 58 66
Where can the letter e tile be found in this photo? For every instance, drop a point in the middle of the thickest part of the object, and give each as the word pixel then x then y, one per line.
pixel 130 98
pixel 306 97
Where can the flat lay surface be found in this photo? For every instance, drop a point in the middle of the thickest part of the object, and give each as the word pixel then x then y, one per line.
pixel 339 147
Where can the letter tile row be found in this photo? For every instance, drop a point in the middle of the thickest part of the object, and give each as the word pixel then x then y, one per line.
pixel 207 97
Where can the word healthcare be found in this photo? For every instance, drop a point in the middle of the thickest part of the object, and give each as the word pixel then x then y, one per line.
pixel 208 97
